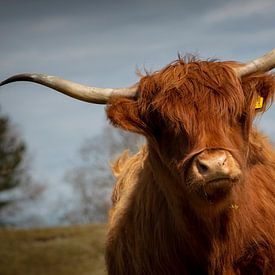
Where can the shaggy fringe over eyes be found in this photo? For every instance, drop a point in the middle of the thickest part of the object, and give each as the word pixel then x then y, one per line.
pixel 210 88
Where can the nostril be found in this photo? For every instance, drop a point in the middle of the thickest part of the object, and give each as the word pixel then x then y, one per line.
pixel 202 168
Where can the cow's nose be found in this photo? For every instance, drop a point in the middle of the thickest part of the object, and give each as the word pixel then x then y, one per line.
pixel 213 164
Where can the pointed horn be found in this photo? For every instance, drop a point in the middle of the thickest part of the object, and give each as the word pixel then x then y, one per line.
pixel 262 64
pixel 75 90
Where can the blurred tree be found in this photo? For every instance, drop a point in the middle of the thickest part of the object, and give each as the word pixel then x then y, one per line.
pixel 16 186
pixel 12 151
pixel 92 181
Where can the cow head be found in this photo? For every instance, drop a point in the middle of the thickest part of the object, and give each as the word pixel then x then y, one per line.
pixel 196 115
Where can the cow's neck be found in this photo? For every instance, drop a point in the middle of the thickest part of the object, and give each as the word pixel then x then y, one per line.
pixel 204 225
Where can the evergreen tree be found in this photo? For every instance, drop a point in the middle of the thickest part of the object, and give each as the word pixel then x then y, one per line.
pixel 12 150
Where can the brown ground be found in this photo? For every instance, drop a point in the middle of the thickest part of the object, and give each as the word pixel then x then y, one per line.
pixel 75 250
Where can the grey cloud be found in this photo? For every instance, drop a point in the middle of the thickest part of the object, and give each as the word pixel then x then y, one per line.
pixel 233 10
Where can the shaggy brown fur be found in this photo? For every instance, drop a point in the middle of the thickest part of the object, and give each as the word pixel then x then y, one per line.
pixel 159 224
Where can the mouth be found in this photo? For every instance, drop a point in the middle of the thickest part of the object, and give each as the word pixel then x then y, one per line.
pixel 216 190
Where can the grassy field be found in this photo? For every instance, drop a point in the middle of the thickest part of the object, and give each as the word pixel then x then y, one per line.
pixel 76 250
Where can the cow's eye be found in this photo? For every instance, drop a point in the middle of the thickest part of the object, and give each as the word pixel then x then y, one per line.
pixel 242 119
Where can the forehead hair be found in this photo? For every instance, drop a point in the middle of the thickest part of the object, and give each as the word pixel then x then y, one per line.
pixel 202 89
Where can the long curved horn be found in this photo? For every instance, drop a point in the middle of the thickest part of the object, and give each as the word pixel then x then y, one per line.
pixel 262 64
pixel 75 90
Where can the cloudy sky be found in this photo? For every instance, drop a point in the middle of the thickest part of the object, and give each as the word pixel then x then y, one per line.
pixel 102 44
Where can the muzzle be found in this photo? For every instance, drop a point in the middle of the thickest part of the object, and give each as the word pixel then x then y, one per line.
pixel 213 172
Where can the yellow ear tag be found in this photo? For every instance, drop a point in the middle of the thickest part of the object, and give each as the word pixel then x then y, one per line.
pixel 259 102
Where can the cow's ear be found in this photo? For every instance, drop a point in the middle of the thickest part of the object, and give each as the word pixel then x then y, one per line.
pixel 262 87
pixel 265 88
pixel 125 113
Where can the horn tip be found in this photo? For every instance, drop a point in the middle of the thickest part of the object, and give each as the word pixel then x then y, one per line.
pixel 19 77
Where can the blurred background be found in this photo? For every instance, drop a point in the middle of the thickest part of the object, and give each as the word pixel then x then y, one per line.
pixel 57 150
